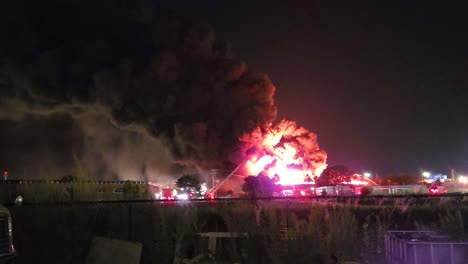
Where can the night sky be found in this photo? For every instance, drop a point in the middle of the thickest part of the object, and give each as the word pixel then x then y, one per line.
pixel 385 87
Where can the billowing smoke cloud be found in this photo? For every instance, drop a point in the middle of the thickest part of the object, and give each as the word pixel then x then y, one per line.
pixel 109 152
pixel 150 93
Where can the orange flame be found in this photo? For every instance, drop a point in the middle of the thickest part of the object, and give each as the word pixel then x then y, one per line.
pixel 285 152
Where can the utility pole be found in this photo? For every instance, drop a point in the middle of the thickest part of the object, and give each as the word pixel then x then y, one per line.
pixel 214 189
pixel 213 174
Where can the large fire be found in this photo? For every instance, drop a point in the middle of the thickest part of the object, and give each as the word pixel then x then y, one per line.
pixel 285 152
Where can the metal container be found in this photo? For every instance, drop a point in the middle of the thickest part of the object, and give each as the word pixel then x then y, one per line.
pixel 424 247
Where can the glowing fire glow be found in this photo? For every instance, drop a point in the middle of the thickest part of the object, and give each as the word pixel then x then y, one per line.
pixel 286 153
pixel 356 182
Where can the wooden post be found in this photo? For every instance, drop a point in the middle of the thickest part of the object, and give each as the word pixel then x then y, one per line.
pixel 129 219
pixel 212 245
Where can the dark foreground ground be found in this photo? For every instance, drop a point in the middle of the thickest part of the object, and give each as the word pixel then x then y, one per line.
pixel 279 231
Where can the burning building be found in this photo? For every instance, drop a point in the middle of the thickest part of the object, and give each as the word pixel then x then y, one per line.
pixel 285 152
pixel 144 96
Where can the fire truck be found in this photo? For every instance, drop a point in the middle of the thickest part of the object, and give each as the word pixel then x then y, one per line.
pixel 168 194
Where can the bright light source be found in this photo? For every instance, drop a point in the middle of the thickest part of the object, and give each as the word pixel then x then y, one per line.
pixel 203 188
pixel 434 190
pixel 303 192
pixel 463 179
pixel 356 182
pixel 367 174
pixel 182 196
pixel 426 174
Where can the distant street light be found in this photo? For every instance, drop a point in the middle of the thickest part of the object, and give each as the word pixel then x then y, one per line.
pixel 426 174
pixel 367 174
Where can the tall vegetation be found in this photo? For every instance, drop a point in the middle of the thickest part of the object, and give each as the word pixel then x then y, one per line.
pixel 400 179
pixel 334 175
pixel 258 186
pixel 189 182
pixel 285 232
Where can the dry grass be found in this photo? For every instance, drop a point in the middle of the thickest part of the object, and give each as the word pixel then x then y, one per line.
pixel 279 231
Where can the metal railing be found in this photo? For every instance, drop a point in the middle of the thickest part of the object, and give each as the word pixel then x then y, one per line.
pixel 423 247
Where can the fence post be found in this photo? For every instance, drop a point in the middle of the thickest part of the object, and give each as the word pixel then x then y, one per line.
pixel 287 227
pixel 459 199
pixel 129 221
pixel 287 214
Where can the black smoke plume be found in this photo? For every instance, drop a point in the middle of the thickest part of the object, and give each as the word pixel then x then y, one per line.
pixel 140 84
